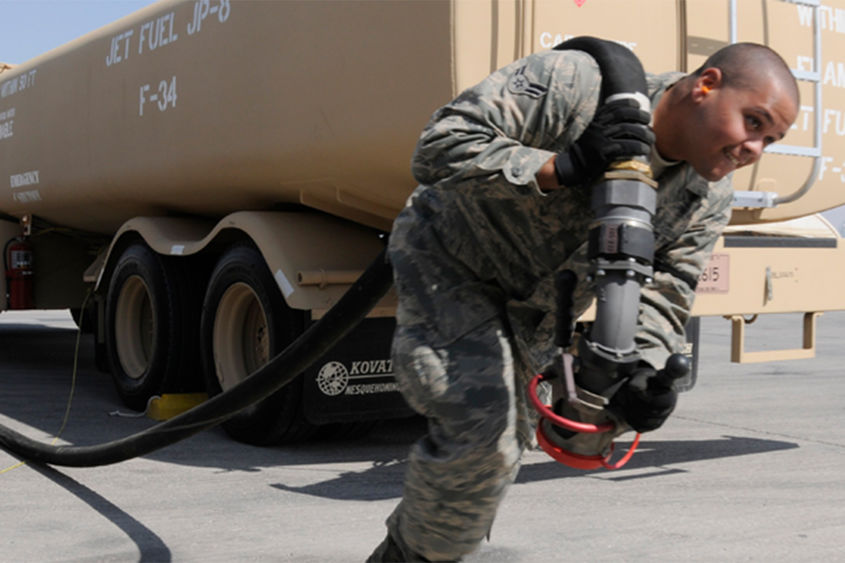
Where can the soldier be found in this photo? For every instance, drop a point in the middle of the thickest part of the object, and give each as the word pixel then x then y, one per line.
pixel 503 204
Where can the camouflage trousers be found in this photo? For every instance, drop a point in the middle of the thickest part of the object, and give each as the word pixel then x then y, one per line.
pixel 456 364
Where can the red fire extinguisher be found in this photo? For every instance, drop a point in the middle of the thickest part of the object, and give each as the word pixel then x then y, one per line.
pixel 18 259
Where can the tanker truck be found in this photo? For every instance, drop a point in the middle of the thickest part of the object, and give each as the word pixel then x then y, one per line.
pixel 202 180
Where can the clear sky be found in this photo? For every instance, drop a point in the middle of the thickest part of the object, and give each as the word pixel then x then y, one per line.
pixel 31 27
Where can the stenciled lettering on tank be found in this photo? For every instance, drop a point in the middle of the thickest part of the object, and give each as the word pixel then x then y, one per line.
pixel 18 84
pixel 207 8
pixel 163 30
pixel 156 33
pixel 22 186
pixel 830 19
pixel 119 49
pixel 27 196
pixel 832 165
pixel 833 121
pixel 548 39
pixel 7 122
pixel 832 72
pixel 161 96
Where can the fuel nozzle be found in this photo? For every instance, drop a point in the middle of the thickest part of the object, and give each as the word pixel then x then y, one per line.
pixel 578 428
pixel 621 248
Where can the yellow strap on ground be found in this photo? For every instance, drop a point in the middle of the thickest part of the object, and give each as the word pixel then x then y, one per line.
pixel 169 405
pixel 15 466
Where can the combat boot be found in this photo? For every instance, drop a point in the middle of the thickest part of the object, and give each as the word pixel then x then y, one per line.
pixel 389 551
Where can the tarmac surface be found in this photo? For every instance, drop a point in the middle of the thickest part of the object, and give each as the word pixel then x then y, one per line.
pixel 751 467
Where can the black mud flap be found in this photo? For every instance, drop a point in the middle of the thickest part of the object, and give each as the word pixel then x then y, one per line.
pixel 354 381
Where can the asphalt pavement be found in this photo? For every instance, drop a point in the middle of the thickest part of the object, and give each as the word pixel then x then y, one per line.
pixel 751 467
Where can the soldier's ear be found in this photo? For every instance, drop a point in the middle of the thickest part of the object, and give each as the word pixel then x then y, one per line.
pixel 710 79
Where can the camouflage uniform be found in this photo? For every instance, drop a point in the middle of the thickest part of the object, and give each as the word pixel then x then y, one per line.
pixel 475 252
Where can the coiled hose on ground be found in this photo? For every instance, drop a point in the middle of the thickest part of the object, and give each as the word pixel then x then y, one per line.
pixel 361 297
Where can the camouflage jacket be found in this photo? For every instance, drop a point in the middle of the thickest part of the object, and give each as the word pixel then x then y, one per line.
pixel 476 161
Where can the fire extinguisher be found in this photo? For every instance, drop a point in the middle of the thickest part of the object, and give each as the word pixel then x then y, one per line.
pixel 17 257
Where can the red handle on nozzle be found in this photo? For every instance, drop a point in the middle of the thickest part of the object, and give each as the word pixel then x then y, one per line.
pixel 569 458
pixel 561 421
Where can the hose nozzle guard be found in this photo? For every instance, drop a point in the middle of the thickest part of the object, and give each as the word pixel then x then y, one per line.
pixel 554 431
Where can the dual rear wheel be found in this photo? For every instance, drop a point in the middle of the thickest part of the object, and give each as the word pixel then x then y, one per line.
pixel 244 323
pixel 148 312
pixel 154 306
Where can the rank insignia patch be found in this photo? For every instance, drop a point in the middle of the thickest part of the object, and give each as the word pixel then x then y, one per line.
pixel 519 84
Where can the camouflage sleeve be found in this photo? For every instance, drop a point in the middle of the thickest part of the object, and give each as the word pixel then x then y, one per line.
pixel 667 302
pixel 511 123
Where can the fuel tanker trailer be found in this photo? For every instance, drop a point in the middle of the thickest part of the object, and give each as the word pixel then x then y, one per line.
pixel 201 181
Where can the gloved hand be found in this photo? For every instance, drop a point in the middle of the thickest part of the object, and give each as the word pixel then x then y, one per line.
pixel 646 400
pixel 618 130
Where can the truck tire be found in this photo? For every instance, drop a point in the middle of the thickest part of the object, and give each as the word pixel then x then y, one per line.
pixel 346 431
pixel 244 323
pixel 146 333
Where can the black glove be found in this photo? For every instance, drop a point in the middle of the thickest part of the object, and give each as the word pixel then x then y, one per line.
pixel 618 130
pixel 646 400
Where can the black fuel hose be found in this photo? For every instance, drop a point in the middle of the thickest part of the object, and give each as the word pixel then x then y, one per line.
pixel 621 70
pixel 359 300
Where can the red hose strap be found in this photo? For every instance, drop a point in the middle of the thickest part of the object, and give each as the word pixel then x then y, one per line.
pixel 558 420
pixel 631 449
pixel 580 461
pixel 567 458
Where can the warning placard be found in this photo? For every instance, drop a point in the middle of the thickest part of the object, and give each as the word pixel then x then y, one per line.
pixel 716 276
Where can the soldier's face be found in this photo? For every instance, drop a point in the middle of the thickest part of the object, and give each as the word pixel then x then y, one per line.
pixel 735 125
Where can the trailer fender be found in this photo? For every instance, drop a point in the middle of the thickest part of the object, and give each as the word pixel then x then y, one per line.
pixel 314 258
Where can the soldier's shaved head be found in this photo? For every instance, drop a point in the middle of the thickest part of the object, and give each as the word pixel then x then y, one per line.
pixel 722 116
pixel 745 66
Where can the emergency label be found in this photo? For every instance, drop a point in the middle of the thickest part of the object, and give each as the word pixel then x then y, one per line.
pixel 716 275
pixel 27 196
pixel 18 183
pixel 23 179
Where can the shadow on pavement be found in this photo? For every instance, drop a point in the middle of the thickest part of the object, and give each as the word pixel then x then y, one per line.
pixel 151 548
pixel 38 397
pixel 384 479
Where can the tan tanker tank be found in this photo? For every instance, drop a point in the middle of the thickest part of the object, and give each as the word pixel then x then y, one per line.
pixel 220 170
pixel 211 107
pixel 208 107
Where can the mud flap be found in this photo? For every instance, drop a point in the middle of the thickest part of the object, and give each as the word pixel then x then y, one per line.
pixel 354 381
